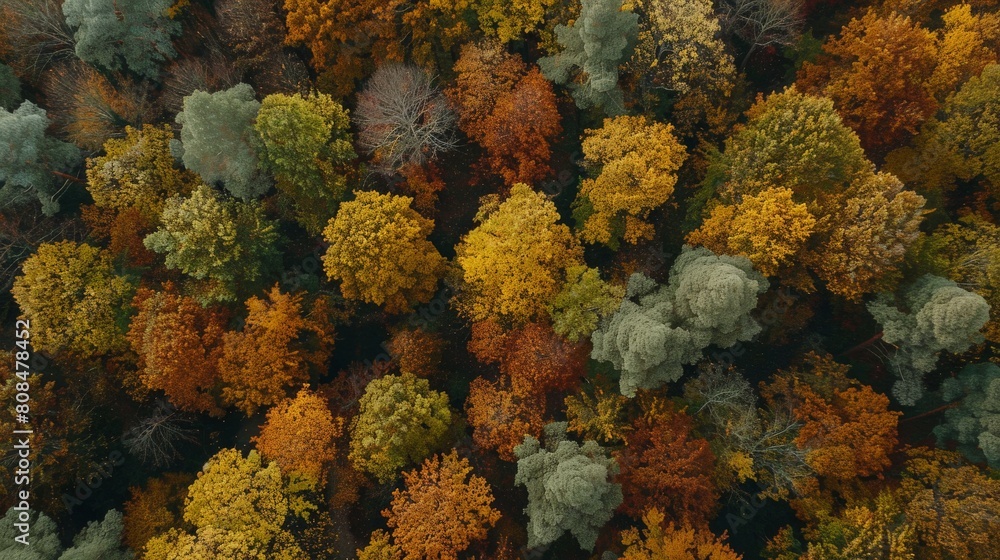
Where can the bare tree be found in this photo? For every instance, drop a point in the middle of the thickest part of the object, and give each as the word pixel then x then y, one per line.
pixel 38 33
pixel 403 119
pixel 154 438
pixel 763 22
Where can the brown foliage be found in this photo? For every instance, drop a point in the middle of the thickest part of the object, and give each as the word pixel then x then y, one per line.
pixel 665 465
pixel 416 351
pixel 500 418
pixel 154 508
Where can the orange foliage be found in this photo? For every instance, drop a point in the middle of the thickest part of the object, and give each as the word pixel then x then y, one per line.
pixel 877 74
pixel 500 418
pixel 299 435
pixel 539 361
pixel 664 465
pixel 423 182
pixel 847 428
pixel 179 345
pixel 443 509
pixel 155 508
pixel 509 109
pixel 123 230
pixel 275 349
pixel 416 351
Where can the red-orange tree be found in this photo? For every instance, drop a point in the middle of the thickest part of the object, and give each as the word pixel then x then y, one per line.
pixel 442 510
pixel 282 339
pixel 500 418
pixel 508 108
pixel 847 428
pixel 179 344
pixel 665 465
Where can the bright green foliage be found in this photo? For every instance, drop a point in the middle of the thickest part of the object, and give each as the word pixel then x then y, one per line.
pixel 791 140
pixel 99 539
pixel 28 157
pixel 569 487
pixel 936 315
pixel 10 88
pixel 598 42
pixel 216 135
pixel 657 329
pixel 975 424
pixel 74 299
pixel 306 144
pixel 44 538
pixel 115 34
pixel 137 171
pixel 400 422
pixel 227 244
pixel 583 301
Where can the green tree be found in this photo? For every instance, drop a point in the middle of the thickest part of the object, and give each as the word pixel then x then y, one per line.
pixel 116 35
pixel 594 46
pixel 584 299
pixel 569 487
pixel 216 137
pixel 228 245
pixel 379 252
pixel 306 145
pixel 74 299
pixel 29 158
pixel 936 314
pixel 975 424
pixel 44 537
pixel 659 328
pixel 100 539
pixel 400 422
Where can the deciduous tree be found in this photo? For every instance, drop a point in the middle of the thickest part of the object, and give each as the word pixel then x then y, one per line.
pixel 306 145
pixel 379 252
pixel 178 343
pixel 284 339
pixel 660 540
pixel 513 264
pixel 584 299
pixel 299 435
pixel 74 299
pixel 633 169
pixel 400 422
pixel 442 509
pixel 226 245
pixel 500 418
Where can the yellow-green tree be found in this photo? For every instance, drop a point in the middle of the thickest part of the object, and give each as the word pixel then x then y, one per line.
pixel 514 262
pixel 400 421
pixel 138 171
pixel 633 165
pixel 74 299
pixel 239 508
pixel 380 253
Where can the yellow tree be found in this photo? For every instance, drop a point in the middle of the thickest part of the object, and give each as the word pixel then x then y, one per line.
pixel 74 299
pixel 966 45
pixel 634 166
pixel 514 263
pixel 380 253
pixel 138 172
pixel 239 509
pixel 770 229
pixel 299 436
pixel 442 510
pixel 661 541
pixel 275 350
